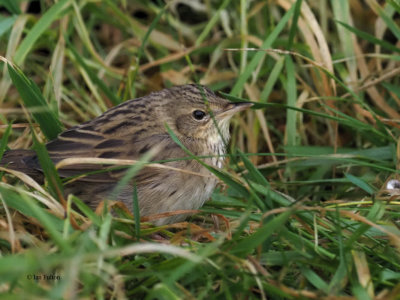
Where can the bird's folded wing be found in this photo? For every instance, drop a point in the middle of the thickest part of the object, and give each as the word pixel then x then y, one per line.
pixel 78 143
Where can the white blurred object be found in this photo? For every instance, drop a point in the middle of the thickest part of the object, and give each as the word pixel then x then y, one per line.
pixel 393 184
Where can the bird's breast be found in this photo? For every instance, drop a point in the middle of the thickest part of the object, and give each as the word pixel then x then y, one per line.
pixel 217 149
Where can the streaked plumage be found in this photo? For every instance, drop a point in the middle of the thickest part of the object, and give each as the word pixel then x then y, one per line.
pixel 132 128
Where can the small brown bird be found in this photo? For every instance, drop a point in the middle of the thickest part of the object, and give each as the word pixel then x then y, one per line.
pixel 198 117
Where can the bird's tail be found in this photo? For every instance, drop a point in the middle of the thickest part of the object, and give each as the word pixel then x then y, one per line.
pixel 22 160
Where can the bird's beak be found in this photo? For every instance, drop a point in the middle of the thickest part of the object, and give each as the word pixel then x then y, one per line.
pixel 233 108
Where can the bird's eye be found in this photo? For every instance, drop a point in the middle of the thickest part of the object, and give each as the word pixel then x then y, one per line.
pixel 199 115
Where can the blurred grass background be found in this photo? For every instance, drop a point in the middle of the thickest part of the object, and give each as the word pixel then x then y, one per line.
pixel 301 211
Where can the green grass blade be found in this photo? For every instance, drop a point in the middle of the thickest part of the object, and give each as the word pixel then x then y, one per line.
pixel 4 140
pixel 136 210
pixel 110 94
pixel 248 244
pixel 255 175
pixel 30 208
pixel 11 6
pixel 39 28
pixel 293 27
pixel 342 269
pixel 211 24
pixel 291 119
pixel 6 24
pixel 360 292
pixel 341 10
pixel 104 233
pixel 86 210
pixel 315 279
pixel 360 183
pixel 392 88
pixel 253 171
pixel 163 291
pixel 370 38
pixel 48 168
pixel 17 202
pixel 388 19
pixel 237 88
pixel 345 120
pixel 395 5
pixel 375 213
pixel 33 99
pixel 272 78
pixel 141 50
pixel 338 277
pixel 48 223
